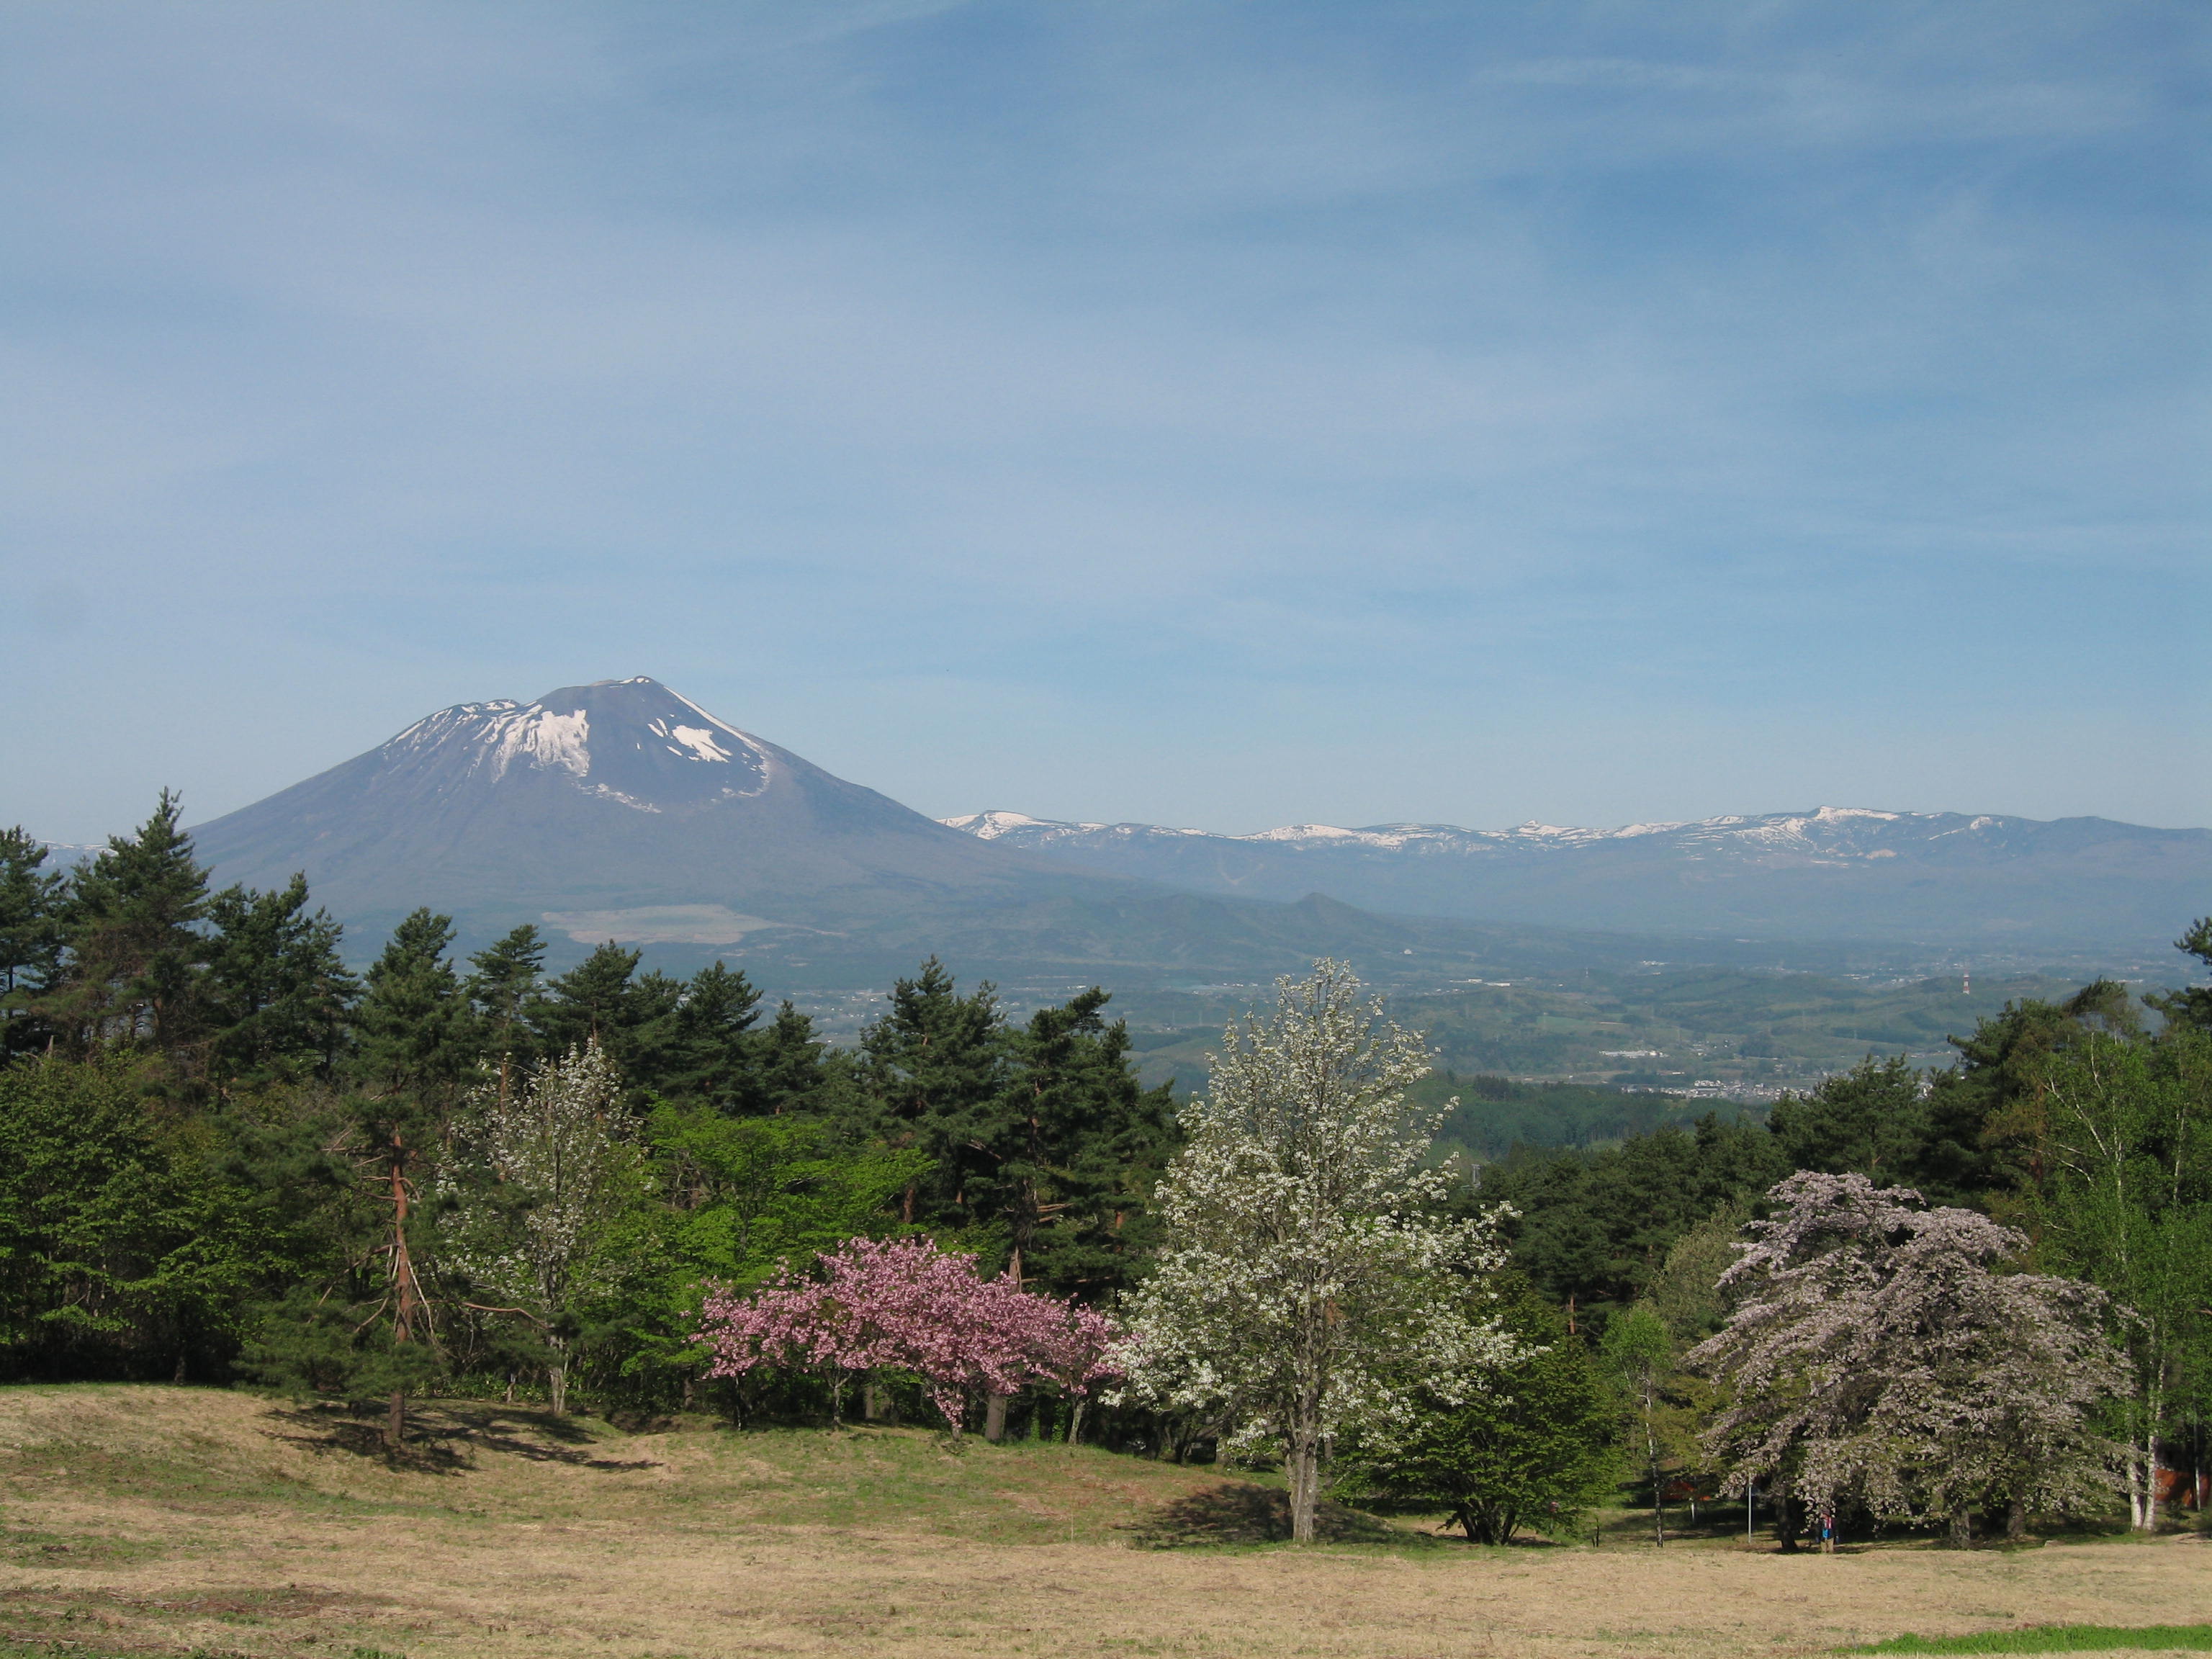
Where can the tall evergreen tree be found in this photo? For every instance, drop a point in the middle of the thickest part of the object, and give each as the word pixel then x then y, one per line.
pixel 416 1047
pixel 934 1066
pixel 279 997
pixel 796 1070
pixel 2191 1006
pixel 507 990
pixel 1871 1120
pixel 1081 1147
pixel 632 1016
pixel 30 937
pixel 138 953
pixel 414 1026
pixel 713 1053
pixel 1968 1155
pixel 593 1002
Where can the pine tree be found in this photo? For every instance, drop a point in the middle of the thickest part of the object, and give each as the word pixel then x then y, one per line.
pixel 137 953
pixel 714 1057
pixel 279 997
pixel 603 999
pixel 414 1027
pixel 795 1067
pixel 934 1067
pixel 30 937
pixel 506 991
pixel 1871 1120
pixel 416 1044
pixel 2191 1006
pixel 1082 1144
pixel 594 1002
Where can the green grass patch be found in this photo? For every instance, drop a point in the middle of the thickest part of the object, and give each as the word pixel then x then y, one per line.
pixel 2054 1639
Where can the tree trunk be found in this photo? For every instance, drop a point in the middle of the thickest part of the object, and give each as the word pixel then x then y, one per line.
pixel 2150 1465
pixel 1658 1489
pixel 1789 1520
pixel 1075 1420
pixel 1961 1535
pixel 994 1418
pixel 2016 1521
pixel 1303 1464
pixel 403 1273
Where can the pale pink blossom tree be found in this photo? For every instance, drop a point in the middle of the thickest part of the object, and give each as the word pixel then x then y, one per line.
pixel 1883 1352
pixel 907 1304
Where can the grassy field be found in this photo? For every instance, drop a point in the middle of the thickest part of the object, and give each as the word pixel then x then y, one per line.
pixel 171 1521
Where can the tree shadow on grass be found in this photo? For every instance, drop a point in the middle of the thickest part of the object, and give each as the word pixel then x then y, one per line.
pixel 443 1437
pixel 1235 1513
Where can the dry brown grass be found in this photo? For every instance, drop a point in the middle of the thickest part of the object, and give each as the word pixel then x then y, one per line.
pixel 161 1520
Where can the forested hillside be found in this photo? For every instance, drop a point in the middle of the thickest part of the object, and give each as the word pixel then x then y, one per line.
pixel 225 1158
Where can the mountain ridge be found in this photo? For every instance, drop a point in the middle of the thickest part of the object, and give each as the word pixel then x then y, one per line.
pixel 1844 872
pixel 621 810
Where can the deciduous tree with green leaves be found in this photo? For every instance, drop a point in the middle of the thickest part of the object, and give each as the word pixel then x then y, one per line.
pixel 2118 1190
pixel 1534 1446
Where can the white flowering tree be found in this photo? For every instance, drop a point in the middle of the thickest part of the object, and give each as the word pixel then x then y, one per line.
pixel 1880 1353
pixel 543 1174
pixel 1307 1286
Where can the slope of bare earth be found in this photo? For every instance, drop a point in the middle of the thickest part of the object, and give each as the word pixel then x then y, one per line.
pixel 165 1522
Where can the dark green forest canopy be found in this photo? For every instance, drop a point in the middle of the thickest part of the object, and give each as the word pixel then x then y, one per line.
pixel 206 1116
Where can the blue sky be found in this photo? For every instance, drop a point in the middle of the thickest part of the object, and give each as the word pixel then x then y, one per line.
pixel 1218 414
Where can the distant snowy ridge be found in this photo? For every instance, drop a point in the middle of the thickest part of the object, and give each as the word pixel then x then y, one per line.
pixel 1833 831
pixel 1833 872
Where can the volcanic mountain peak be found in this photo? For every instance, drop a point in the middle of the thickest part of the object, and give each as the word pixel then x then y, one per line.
pixel 632 741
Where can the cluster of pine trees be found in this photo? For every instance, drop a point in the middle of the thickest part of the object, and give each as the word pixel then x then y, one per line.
pixel 223 1154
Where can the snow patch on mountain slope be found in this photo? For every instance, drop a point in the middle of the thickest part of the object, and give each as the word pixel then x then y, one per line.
pixel 549 739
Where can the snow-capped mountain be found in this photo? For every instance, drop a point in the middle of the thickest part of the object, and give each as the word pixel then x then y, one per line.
pixel 1836 872
pixel 621 810
pixel 618 808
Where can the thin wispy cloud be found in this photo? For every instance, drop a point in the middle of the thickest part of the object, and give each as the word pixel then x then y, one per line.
pixel 1581 414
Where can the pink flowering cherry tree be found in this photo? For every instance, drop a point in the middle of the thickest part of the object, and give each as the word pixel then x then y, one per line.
pixel 907 1304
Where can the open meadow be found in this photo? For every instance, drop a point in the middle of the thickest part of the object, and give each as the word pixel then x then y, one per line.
pixel 171 1521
